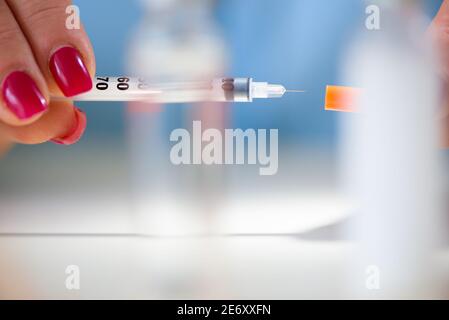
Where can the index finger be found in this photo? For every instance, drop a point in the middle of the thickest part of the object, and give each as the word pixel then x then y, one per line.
pixel 24 94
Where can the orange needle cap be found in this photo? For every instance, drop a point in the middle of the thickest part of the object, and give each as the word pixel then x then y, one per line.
pixel 342 98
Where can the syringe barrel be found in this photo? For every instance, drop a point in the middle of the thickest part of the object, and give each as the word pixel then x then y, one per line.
pixel 137 89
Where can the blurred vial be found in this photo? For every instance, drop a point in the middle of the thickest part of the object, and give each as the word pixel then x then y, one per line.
pixel 177 40
pixel 391 160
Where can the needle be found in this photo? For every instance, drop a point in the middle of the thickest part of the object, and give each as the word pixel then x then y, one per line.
pixel 298 91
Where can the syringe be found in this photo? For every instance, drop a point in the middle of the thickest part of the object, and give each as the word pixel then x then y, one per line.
pixel 222 89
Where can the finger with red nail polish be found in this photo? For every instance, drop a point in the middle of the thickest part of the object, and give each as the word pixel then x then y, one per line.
pixel 70 72
pixel 24 94
pixel 63 124
pixel 76 131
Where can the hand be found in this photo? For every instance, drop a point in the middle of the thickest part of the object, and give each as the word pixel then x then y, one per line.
pixel 39 58
pixel 439 31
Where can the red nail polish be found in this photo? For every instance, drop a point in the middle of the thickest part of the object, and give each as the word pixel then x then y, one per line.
pixel 69 71
pixel 76 132
pixel 22 96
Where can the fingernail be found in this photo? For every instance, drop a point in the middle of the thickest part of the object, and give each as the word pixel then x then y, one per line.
pixel 76 132
pixel 22 96
pixel 70 72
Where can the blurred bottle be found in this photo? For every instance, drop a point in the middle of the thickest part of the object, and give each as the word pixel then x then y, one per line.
pixel 390 157
pixel 177 40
